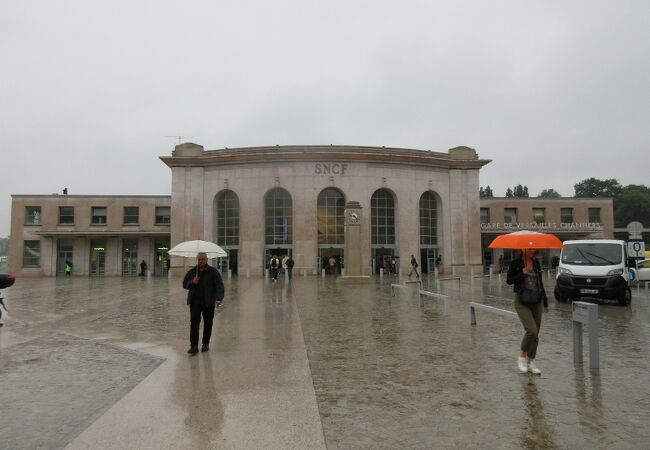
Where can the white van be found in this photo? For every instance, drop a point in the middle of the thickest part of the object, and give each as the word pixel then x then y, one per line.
pixel 596 268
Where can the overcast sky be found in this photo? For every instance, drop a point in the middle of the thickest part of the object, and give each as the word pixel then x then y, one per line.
pixel 552 92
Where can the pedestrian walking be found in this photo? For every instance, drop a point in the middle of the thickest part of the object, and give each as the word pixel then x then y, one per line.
pixel 284 264
pixel 290 263
pixel 143 268
pixel 414 267
pixel 524 273
pixel 206 292
pixel 274 264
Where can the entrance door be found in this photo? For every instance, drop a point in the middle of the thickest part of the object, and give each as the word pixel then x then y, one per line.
pixel 227 262
pixel 129 257
pixel 381 259
pixel 63 254
pixel 160 259
pixel 428 259
pixel 279 252
pixel 97 258
pixel 331 259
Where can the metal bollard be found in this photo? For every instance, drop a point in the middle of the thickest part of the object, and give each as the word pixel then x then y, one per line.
pixel 304 272
pixel 229 273
pixel 585 314
pixel 435 272
pixel 381 272
pixel 490 271
pixel 322 273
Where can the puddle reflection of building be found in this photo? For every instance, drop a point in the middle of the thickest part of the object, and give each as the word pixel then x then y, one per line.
pixel 590 404
pixel 536 432
pixel 279 316
pixel 196 391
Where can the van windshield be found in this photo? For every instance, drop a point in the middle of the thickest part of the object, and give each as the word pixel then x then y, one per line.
pixel 592 254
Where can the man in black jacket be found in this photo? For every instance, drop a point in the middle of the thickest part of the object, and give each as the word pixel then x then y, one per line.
pixel 206 291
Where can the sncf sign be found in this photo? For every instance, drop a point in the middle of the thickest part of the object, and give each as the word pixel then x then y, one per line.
pixel 330 168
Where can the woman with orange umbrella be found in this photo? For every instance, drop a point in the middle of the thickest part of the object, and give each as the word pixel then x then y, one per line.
pixel 524 273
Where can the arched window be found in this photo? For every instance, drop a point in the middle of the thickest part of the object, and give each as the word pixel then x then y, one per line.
pixel 330 206
pixel 428 220
pixel 382 222
pixel 279 217
pixel 227 219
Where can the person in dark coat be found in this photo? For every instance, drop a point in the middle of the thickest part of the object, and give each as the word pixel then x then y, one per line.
pixel 414 267
pixel 206 291
pixel 290 263
pixel 143 268
pixel 274 265
pixel 525 271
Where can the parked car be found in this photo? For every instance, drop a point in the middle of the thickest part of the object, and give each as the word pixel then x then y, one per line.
pixel 643 270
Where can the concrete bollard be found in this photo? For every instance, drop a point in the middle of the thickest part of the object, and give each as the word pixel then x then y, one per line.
pixel 435 272
pixel 381 272
pixel 248 273
pixel 229 273
pixel 148 273
pixel 266 273
pixel 490 271
pixel 304 272
pixel 342 272
pixel 322 273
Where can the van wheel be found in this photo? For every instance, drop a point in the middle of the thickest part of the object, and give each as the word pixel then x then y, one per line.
pixel 558 296
pixel 626 299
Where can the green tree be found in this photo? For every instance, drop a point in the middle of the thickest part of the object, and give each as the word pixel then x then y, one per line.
pixel 486 193
pixel 549 193
pixel 520 191
pixel 509 193
pixel 632 204
pixel 593 187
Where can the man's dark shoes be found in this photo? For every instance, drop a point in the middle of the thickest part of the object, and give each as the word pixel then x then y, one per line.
pixel 193 350
pixel 205 347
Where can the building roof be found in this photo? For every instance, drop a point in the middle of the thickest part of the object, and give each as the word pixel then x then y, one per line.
pixel 190 154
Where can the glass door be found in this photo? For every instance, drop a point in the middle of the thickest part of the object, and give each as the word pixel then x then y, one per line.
pixel 331 259
pixel 160 261
pixel 129 257
pixel 63 255
pixel 97 258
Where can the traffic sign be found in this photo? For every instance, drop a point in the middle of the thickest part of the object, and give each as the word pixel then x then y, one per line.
pixel 636 249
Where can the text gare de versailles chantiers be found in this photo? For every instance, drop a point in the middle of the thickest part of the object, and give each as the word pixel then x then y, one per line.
pixel 542 226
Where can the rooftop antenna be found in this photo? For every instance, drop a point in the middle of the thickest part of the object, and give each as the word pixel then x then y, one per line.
pixel 180 138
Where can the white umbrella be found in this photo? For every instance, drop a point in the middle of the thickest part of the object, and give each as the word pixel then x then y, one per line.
pixel 189 249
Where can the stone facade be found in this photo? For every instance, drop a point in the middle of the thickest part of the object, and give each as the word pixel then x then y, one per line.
pixel 82 232
pixel 199 177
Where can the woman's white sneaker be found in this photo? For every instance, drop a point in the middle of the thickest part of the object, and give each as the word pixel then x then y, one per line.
pixel 532 368
pixel 521 362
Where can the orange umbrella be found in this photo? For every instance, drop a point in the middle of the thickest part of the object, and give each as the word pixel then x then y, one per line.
pixel 526 239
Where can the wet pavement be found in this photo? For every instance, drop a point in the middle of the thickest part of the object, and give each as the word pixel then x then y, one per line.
pixel 315 363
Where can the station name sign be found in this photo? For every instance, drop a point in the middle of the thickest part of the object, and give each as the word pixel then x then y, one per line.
pixel 330 168
pixel 542 226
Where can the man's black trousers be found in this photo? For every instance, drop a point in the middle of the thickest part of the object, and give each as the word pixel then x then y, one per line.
pixel 196 311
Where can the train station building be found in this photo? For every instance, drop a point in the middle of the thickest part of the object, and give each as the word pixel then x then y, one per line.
pixel 256 202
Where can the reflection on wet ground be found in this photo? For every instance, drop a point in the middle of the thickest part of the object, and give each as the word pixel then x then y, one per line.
pixel 385 373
